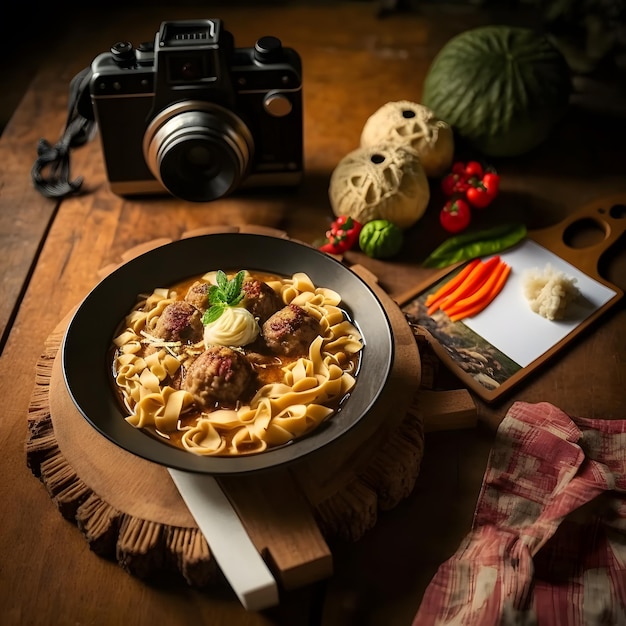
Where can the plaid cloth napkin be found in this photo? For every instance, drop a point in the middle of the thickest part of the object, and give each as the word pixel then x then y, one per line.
pixel 548 541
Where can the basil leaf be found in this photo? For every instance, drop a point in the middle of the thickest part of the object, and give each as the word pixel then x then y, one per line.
pixel 226 293
pixel 212 314
pixel 233 290
pixel 470 245
pixel 215 295
pixel 222 280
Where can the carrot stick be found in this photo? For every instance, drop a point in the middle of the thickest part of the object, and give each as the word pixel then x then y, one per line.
pixel 473 282
pixel 452 284
pixel 480 294
pixel 479 301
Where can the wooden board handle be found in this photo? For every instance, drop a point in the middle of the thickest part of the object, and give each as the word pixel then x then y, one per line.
pixel 281 524
pixel 607 213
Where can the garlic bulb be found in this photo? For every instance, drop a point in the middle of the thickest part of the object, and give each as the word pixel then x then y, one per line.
pixel 415 125
pixel 380 182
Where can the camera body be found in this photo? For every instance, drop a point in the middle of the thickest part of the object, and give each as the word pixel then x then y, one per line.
pixel 194 116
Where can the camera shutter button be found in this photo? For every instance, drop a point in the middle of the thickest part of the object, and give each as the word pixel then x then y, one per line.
pixel 123 52
pixel 268 50
pixel 277 104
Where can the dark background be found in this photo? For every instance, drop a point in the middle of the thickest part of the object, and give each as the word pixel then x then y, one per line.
pixel 28 29
pixel 592 33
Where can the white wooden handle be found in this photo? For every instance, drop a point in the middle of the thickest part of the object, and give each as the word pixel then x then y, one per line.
pixel 228 540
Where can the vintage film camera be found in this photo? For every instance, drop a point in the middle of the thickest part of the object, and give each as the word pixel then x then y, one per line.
pixel 194 116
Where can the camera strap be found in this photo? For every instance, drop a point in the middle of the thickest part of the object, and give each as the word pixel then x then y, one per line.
pixel 55 159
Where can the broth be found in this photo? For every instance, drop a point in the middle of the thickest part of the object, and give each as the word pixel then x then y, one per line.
pixel 268 368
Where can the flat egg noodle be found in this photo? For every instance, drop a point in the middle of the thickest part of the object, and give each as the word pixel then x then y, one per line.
pixel 204 438
pixel 161 410
pixel 147 312
pixel 278 413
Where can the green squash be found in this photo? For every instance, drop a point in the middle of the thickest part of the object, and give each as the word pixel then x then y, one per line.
pixel 381 239
pixel 501 88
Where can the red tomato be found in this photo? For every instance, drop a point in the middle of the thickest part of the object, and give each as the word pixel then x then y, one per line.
pixel 491 181
pixel 448 184
pixel 479 197
pixel 455 215
pixel 453 183
pixel 467 170
pixel 473 168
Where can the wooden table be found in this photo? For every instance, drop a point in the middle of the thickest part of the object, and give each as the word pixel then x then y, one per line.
pixel 52 252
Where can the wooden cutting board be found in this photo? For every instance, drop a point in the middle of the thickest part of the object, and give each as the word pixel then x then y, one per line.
pixel 496 349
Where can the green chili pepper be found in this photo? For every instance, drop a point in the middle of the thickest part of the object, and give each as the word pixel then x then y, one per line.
pixel 470 245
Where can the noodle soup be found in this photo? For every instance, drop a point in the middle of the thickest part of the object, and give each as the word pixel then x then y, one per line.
pixel 224 379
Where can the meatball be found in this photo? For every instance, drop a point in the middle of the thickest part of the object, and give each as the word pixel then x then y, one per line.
pixel 180 321
pixel 198 295
pixel 260 299
pixel 290 331
pixel 219 376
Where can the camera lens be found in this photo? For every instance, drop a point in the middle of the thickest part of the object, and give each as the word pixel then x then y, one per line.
pixel 203 159
pixel 198 151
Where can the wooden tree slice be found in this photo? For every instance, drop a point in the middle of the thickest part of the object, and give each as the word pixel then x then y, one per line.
pixel 129 510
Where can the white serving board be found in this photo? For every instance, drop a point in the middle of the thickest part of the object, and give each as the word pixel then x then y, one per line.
pixel 510 325
pixel 500 346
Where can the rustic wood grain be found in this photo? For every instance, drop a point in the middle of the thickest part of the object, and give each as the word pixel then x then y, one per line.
pixel 446 410
pixel 354 63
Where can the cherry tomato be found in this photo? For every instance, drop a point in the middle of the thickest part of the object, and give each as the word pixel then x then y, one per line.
pixel 491 181
pixel 479 196
pixel 473 168
pixel 455 215
pixel 448 184
pixel 461 177
pixel 453 183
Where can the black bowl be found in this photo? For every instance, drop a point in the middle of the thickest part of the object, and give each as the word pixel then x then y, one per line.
pixel 87 341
